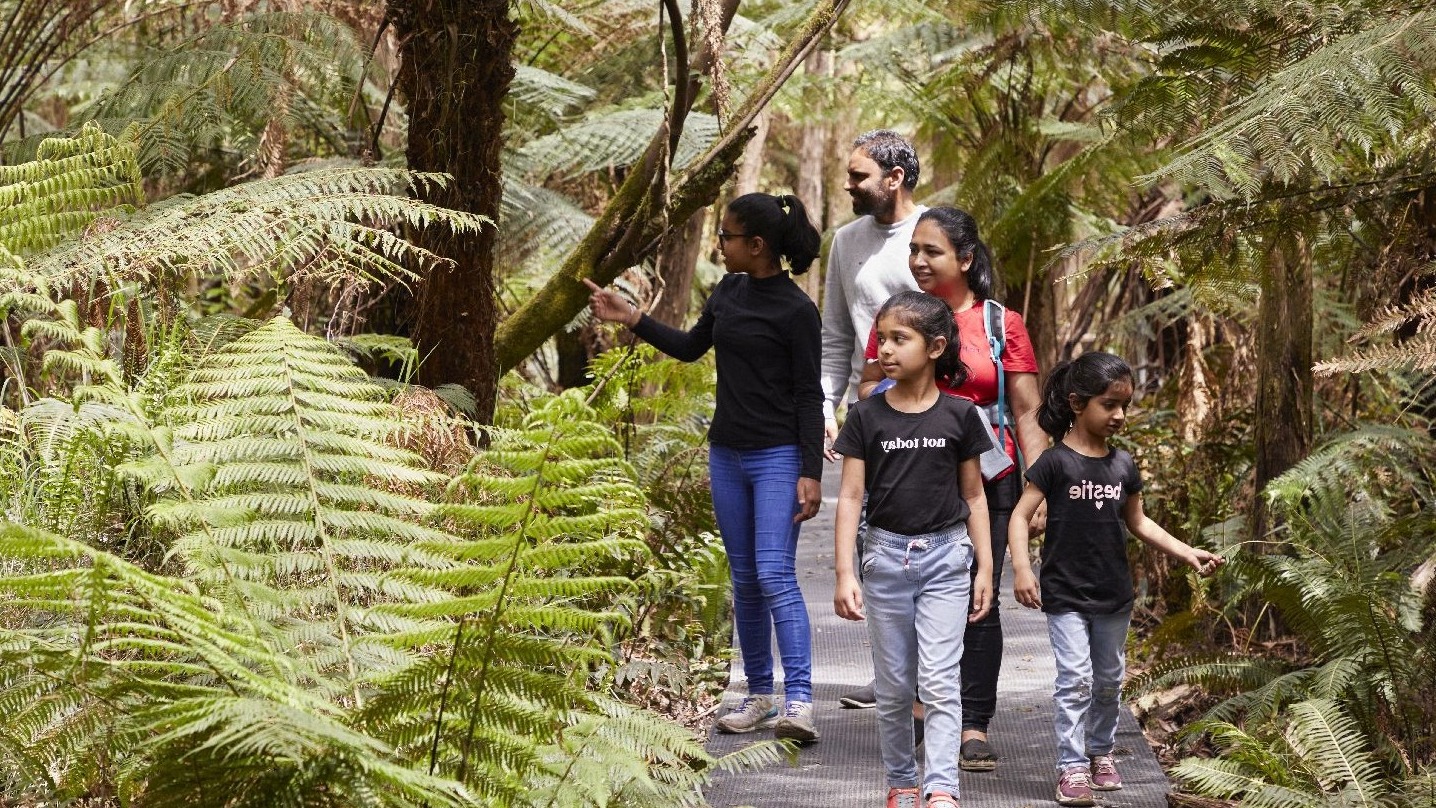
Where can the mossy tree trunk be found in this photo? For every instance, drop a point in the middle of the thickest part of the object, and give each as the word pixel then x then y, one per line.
pixel 456 67
pixel 641 213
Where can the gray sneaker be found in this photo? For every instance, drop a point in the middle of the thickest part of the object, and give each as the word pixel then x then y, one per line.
pixel 756 712
pixel 797 723
pixel 864 698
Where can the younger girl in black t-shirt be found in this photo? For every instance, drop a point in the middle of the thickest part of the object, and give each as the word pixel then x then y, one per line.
pixel 1092 490
pixel 914 453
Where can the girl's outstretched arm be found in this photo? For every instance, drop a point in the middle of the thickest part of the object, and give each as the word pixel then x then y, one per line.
pixel 848 594
pixel 1024 582
pixel 979 530
pixel 1203 561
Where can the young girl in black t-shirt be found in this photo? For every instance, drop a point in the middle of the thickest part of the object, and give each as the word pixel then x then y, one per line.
pixel 1092 490
pixel 914 453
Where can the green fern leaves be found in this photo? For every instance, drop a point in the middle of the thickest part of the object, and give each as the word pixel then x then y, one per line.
pixel 276 479
pixel 340 625
pixel 71 182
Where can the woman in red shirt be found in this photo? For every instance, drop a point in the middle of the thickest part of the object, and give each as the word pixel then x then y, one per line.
pixel 947 259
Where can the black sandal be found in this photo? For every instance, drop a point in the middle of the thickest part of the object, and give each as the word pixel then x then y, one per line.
pixel 976 756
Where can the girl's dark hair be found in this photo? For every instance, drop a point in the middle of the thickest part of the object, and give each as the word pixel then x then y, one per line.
pixel 1086 376
pixel 961 230
pixel 930 316
pixel 782 222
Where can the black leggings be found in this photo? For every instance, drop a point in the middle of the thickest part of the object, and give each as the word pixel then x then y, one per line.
pixel 982 644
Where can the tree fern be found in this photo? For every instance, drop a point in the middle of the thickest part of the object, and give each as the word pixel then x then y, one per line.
pixel 221 86
pixel 328 643
pixel 1360 92
pixel 326 225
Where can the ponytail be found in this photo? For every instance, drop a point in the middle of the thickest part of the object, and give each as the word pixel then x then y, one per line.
pixel 1085 377
pixel 1055 415
pixel 782 222
pixel 961 231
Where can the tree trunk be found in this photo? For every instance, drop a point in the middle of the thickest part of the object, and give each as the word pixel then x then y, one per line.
pixel 813 159
pixel 678 263
pixel 455 71
pixel 572 350
pixel 634 221
pixel 1283 373
pixel 750 170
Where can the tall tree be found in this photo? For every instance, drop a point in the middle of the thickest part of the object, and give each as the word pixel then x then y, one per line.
pixel 1284 365
pixel 455 73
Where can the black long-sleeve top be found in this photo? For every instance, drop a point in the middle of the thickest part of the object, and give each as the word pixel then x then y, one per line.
pixel 768 346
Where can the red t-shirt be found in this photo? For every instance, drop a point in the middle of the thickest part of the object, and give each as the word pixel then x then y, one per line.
pixel 981 385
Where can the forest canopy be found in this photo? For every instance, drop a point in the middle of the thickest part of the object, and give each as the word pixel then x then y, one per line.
pixel 321 486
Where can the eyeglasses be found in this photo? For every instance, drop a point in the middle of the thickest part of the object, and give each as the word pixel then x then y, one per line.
pixel 722 236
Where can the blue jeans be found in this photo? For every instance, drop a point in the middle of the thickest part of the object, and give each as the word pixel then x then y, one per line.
pixel 916 593
pixel 755 496
pixel 1091 660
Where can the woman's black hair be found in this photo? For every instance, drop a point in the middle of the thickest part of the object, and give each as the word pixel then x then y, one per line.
pixel 961 230
pixel 1086 376
pixel 782 222
pixel 932 317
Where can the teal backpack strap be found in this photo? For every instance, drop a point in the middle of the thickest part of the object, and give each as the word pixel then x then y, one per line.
pixel 994 319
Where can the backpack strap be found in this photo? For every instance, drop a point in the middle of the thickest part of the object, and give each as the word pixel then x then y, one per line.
pixel 994 320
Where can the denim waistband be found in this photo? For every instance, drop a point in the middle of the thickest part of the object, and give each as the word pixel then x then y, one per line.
pixel 887 538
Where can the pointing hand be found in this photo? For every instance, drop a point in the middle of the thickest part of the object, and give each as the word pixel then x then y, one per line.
pixel 611 307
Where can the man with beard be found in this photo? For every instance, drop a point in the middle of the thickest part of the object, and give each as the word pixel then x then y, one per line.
pixel 867 264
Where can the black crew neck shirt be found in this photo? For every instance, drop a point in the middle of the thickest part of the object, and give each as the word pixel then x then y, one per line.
pixel 767 345
pixel 1084 557
pixel 911 460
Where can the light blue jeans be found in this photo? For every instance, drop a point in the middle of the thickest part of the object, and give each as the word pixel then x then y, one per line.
pixel 1091 660
pixel 755 496
pixel 916 593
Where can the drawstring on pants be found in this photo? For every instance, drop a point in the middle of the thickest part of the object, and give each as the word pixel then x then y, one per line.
pixel 913 544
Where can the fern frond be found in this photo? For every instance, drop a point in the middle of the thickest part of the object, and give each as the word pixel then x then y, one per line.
pixel 140 680
pixel 72 182
pixel 553 94
pixel 1332 747
pixel 327 225
pixel 269 477
pixel 545 518
pixel 612 140
pixel 233 78
pixel 1357 92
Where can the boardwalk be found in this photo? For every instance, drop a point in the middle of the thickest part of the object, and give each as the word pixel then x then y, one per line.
pixel 844 770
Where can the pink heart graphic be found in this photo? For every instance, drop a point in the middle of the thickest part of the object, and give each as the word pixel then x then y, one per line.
pixel 1099 504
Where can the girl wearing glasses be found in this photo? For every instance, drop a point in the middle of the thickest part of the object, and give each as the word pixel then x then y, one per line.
pixel 766 439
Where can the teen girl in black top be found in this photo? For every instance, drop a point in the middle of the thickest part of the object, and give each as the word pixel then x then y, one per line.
pixel 766 440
